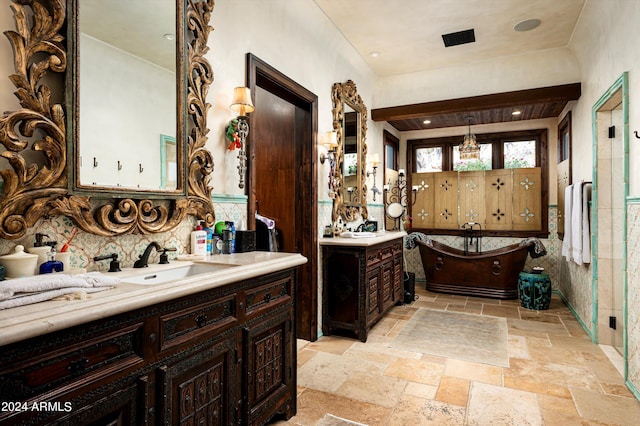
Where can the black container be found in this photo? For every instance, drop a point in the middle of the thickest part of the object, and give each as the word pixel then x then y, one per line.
pixel 245 241
pixel 409 287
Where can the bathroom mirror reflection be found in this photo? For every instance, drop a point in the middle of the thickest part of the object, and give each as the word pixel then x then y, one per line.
pixel 350 124
pixel 126 97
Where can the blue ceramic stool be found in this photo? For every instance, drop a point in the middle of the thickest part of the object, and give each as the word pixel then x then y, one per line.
pixel 534 290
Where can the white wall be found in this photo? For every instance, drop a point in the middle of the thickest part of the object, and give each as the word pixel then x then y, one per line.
pixel 534 69
pixel 126 103
pixel 297 39
pixel 605 43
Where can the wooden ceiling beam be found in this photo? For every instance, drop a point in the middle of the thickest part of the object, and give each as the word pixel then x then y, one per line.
pixel 561 93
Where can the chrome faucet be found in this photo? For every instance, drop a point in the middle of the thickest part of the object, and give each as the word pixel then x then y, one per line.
pixel 143 259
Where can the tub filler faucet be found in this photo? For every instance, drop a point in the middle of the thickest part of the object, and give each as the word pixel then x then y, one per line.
pixel 469 234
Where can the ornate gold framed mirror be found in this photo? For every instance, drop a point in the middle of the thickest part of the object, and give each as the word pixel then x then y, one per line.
pixel 40 171
pixel 350 125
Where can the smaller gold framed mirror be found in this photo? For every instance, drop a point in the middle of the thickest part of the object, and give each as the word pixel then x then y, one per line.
pixel 350 125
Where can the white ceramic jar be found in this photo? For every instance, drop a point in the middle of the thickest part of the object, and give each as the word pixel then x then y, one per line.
pixel 19 264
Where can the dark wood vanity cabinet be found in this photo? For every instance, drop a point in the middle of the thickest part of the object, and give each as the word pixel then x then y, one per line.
pixel 361 284
pixel 226 356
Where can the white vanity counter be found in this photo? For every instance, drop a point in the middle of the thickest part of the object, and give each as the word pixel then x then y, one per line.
pixel 24 322
pixel 362 242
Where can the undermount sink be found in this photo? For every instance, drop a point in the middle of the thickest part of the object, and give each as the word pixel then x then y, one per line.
pixel 173 274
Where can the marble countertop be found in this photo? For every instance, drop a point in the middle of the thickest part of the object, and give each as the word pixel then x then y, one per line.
pixel 24 322
pixel 362 242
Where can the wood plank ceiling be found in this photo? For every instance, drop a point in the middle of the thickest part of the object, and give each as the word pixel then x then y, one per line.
pixel 533 104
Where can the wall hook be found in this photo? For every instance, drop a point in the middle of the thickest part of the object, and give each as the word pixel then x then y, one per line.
pixel 95 162
pixel 119 165
pixel 635 132
pixel 140 167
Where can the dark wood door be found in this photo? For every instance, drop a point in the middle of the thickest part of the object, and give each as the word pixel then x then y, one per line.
pixel 283 175
pixel 274 149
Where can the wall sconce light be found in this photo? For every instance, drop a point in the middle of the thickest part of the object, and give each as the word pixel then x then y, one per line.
pixel 398 193
pixel 330 141
pixel 375 162
pixel 243 106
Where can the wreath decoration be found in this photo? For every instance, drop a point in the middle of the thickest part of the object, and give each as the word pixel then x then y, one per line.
pixel 232 135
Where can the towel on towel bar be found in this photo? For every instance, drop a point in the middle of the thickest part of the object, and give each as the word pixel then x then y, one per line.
pixel 567 248
pixel 577 231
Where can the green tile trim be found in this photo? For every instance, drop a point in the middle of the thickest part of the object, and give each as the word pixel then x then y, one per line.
pixel 575 314
pixel 622 83
pixel 632 387
pixel 229 198
pixel 633 200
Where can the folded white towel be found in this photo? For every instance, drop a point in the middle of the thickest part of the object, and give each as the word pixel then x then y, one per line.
pixel 27 290
pixel 576 224
pixel 566 242
pixel 586 228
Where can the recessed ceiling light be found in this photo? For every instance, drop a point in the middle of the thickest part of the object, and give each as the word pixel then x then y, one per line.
pixel 427 122
pixel 527 25
pixel 374 54
pixel 516 112
pixel 170 37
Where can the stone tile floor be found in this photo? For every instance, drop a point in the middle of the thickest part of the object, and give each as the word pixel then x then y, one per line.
pixel 557 376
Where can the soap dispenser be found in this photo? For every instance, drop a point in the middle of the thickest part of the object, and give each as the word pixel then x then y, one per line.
pixel 41 248
pixel 51 265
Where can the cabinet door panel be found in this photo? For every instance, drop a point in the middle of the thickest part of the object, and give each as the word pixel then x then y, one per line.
pixel 202 387
pixel 269 350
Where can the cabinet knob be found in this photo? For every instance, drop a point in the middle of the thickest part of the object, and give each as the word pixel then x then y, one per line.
pixel 152 411
pixel 152 338
pixel 201 320
pixel 78 365
pixel 267 297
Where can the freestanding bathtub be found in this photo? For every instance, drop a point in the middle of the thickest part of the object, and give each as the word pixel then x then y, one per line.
pixel 493 273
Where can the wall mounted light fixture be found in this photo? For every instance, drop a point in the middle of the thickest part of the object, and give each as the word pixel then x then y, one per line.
pixel 397 194
pixel 375 162
pixel 243 106
pixel 330 141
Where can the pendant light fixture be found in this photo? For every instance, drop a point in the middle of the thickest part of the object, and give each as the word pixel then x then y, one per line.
pixel 469 148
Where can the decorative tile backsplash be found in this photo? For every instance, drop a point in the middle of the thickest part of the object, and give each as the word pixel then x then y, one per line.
pixel 85 247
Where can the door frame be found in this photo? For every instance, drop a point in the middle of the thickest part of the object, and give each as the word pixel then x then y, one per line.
pixel 621 84
pixel 258 73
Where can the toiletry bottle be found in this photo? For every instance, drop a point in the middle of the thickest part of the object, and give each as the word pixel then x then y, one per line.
pixel 231 227
pixel 51 265
pixel 209 232
pixel 199 241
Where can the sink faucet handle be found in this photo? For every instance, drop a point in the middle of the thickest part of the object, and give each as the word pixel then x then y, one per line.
pixel 114 265
pixel 164 258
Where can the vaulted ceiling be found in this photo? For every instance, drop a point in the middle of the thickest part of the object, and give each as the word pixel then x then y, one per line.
pixel 399 37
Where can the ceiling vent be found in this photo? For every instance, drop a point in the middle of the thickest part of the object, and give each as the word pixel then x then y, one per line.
pixel 460 37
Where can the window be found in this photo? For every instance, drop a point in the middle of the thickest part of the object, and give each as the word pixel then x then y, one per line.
pixel 507 150
pixel 391 148
pixel 519 155
pixel 429 159
pixel 484 163
pixel 505 153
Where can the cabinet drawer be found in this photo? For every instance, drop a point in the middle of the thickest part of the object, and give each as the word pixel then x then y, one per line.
pixel 265 297
pixel 186 324
pixel 111 352
pixel 382 254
